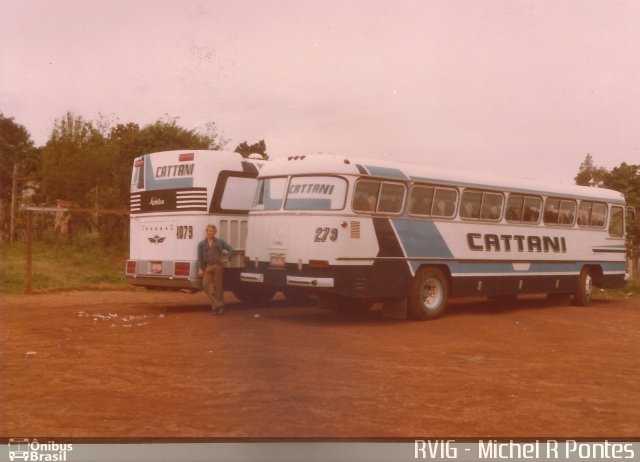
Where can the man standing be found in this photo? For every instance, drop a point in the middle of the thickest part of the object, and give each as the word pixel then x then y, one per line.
pixel 210 264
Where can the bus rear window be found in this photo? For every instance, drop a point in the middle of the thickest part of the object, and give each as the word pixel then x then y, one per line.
pixel 270 194
pixel 238 193
pixel 316 193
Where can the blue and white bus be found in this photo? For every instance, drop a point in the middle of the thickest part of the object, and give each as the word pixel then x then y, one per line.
pixel 355 231
pixel 174 195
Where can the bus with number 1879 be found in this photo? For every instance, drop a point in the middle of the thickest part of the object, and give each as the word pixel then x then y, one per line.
pixel 174 195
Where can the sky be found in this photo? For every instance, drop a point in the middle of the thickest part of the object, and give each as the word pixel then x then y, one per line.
pixel 513 88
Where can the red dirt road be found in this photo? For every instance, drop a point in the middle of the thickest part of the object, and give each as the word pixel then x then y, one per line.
pixel 155 364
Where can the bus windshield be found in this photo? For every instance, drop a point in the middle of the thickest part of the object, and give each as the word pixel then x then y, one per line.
pixel 316 193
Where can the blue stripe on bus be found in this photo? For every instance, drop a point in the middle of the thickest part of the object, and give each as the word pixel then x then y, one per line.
pixel 507 267
pixel 308 204
pixel 386 172
pixel 151 184
pixel 421 238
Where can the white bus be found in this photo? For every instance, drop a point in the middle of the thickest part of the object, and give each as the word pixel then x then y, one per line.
pixel 356 231
pixel 174 195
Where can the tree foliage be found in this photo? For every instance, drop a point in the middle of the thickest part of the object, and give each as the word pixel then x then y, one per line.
pixel 17 156
pixel 73 162
pixel 89 163
pixel 92 167
pixel 589 174
pixel 257 148
pixel 626 179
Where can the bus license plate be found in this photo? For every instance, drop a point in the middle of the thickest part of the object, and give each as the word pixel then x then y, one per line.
pixel 277 261
pixel 156 267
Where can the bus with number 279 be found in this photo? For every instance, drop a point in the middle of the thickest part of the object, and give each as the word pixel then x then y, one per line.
pixel 174 195
pixel 356 231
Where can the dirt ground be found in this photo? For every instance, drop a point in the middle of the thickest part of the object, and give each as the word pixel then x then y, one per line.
pixel 158 364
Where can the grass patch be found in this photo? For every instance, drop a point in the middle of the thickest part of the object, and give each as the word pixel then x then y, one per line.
pixel 61 266
pixel 630 290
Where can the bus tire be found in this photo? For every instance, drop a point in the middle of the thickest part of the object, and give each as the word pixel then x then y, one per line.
pixel 582 296
pixel 253 294
pixel 429 294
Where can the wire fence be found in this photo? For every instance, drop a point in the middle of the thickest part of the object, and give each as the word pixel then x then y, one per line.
pixel 69 245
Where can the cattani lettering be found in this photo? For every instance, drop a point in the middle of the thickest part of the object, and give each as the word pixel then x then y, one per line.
pixel 311 189
pixel 515 243
pixel 169 171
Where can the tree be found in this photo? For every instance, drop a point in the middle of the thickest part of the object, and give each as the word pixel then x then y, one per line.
pixel 626 179
pixel 128 141
pixel 257 148
pixel 74 162
pixel 589 174
pixel 18 163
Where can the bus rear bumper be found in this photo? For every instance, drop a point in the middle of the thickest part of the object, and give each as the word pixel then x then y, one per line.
pixel 165 282
pixel 293 281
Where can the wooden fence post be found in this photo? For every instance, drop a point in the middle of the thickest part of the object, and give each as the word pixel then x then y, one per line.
pixel 27 279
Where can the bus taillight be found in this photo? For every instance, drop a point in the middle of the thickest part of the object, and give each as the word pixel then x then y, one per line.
pixel 182 268
pixel 185 157
pixel 318 264
pixel 131 266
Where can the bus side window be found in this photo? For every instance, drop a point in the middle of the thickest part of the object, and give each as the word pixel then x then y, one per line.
pixel 421 200
pixel 584 213
pixel 616 222
pixel 551 211
pixel 391 198
pixel 514 208
pixel 365 197
pixel 598 215
pixel 491 206
pixel 567 212
pixel 470 207
pixel 444 203
pixel 531 213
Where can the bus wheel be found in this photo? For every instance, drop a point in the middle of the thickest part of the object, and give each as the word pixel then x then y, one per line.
pixel 253 294
pixel 429 294
pixel 585 286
